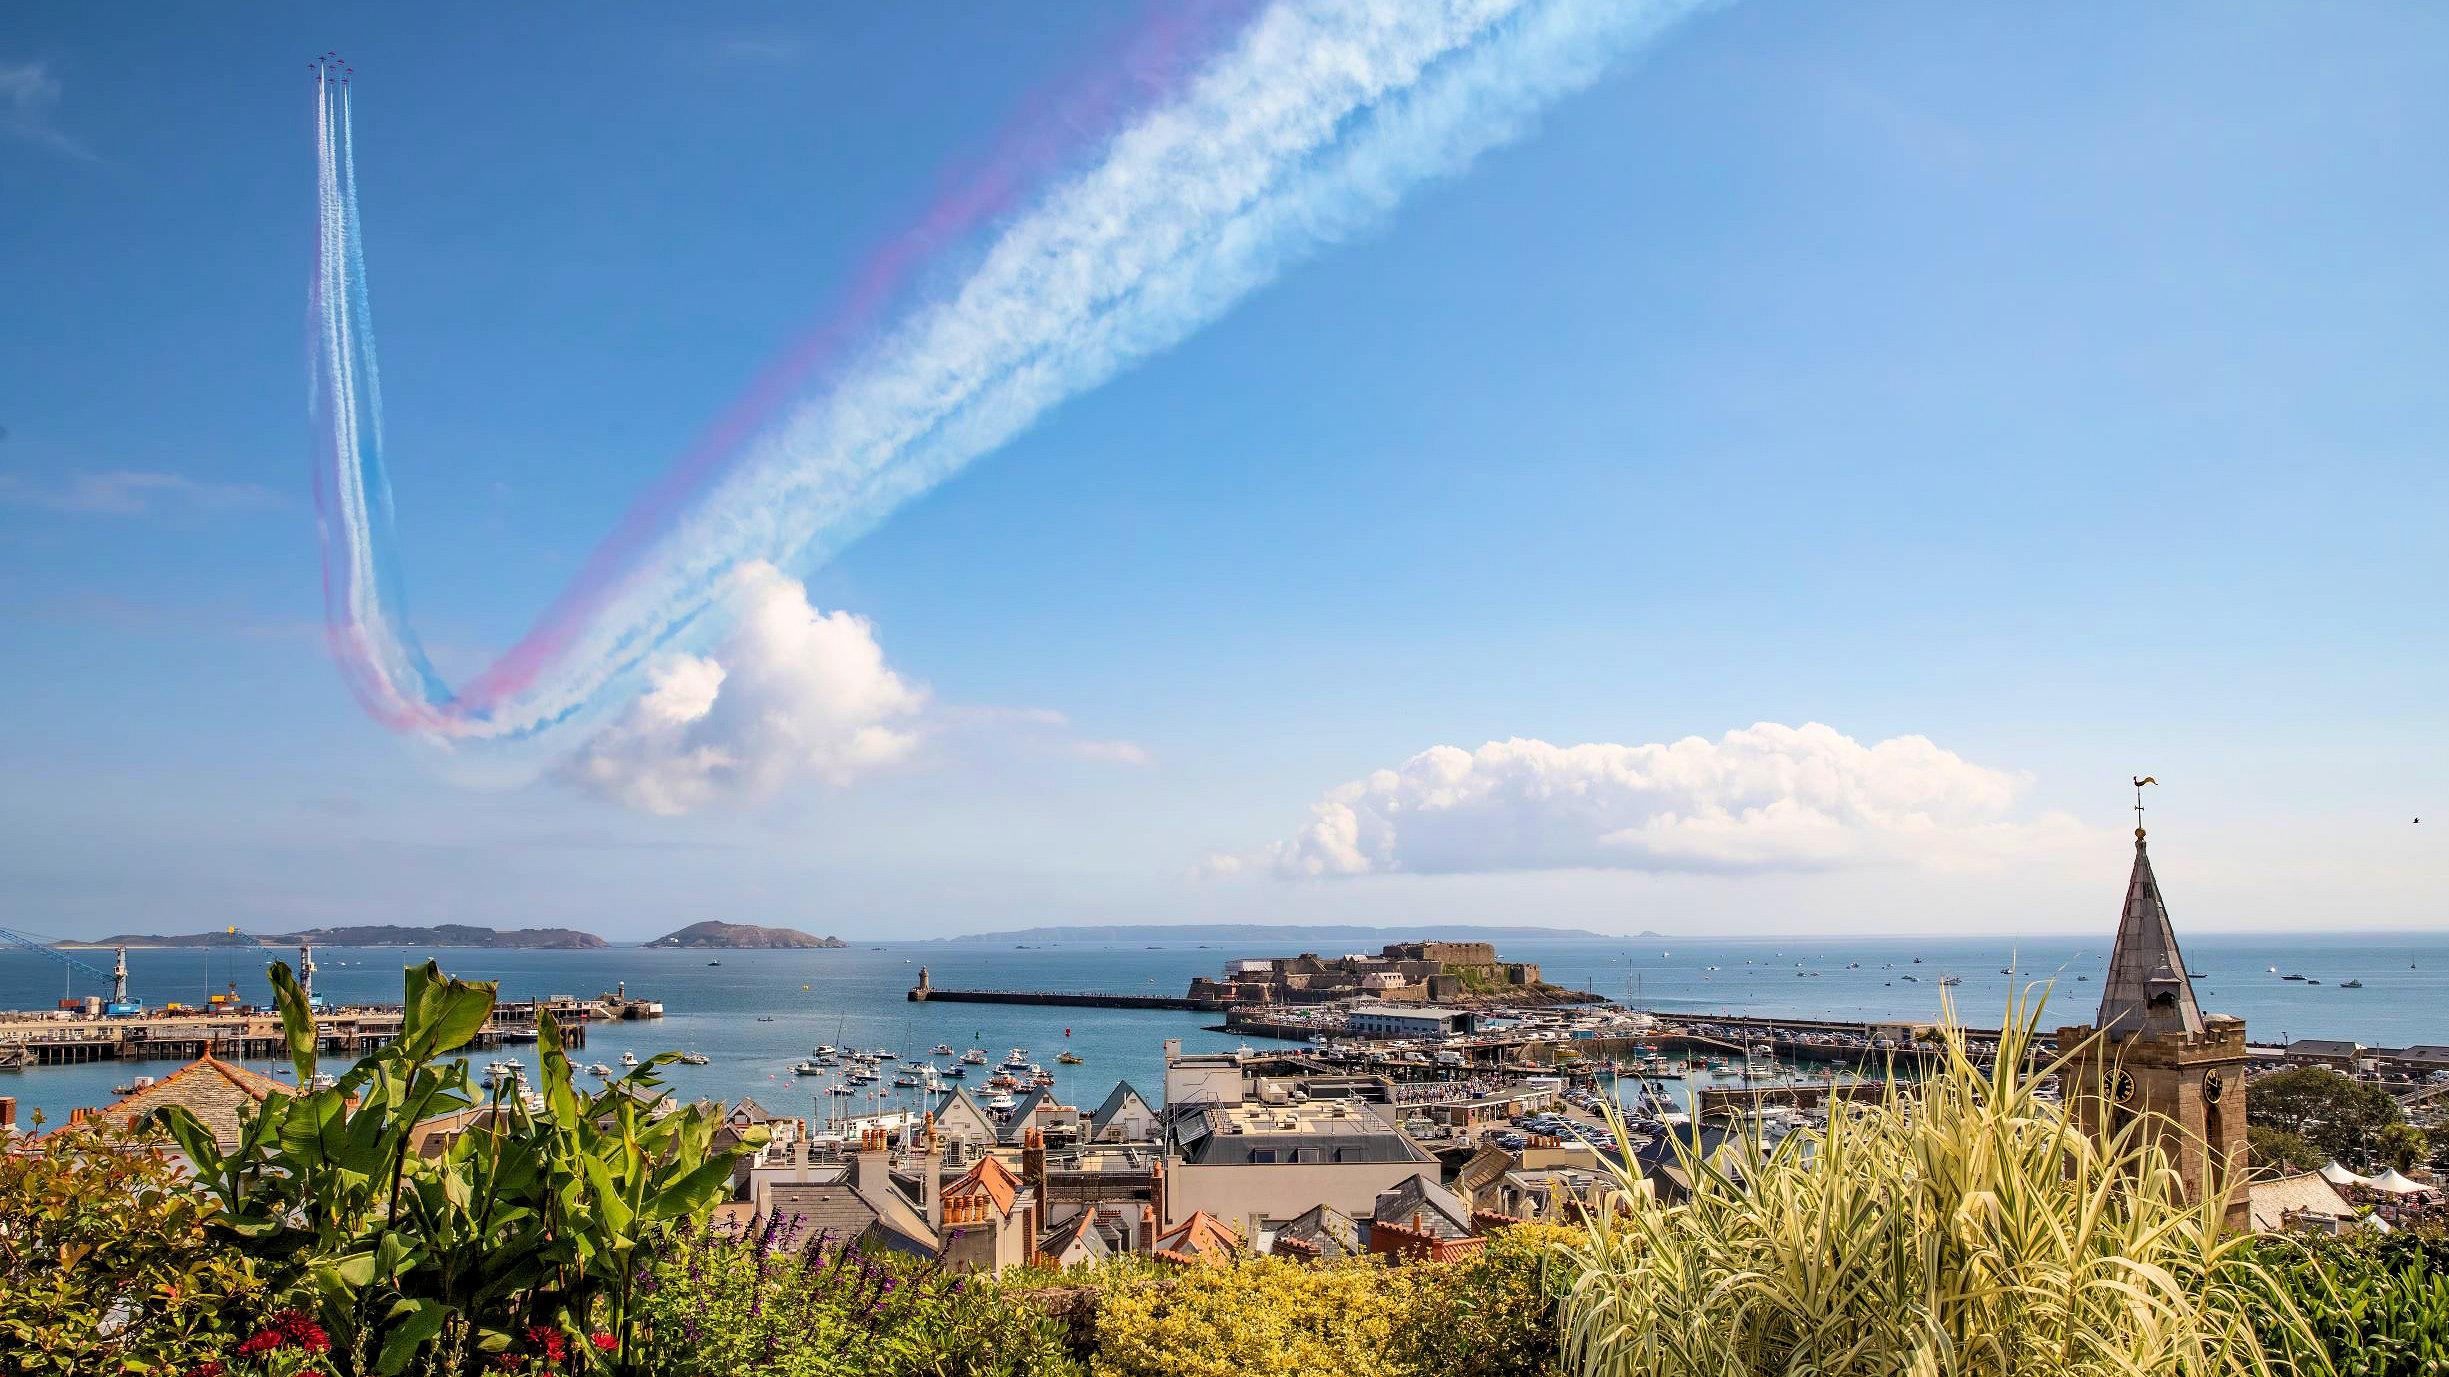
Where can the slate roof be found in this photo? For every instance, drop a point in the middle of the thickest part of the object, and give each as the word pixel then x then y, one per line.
pixel 2146 990
pixel 1416 1197
pixel 1023 1110
pixel 219 1094
pixel 1116 1100
pixel 750 1111
pixel 1080 1230
pixel 816 1209
pixel 1329 1233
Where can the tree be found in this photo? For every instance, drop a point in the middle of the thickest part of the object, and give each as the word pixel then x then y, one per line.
pixel 2403 1146
pixel 2336 1113
pixel 2275 1150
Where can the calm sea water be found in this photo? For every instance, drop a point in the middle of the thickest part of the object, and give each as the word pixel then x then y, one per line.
pixel 855 996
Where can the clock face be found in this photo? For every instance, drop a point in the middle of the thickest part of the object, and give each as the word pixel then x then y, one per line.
pixel 2123 1087
pixel 2213 1087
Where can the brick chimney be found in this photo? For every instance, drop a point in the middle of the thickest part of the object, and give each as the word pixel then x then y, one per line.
pixel 931 1173
pixel 1033 1174
pixel 8 1113
pixel 869 1172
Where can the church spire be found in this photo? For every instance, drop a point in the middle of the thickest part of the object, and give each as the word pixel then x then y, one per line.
pixel 2147 990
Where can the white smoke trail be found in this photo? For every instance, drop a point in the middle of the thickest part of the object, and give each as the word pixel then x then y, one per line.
pixel 1310 127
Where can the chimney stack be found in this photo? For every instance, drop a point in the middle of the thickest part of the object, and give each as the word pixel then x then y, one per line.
pixel 8 1114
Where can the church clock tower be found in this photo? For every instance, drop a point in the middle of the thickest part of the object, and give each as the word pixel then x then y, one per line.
pixel 2159 1059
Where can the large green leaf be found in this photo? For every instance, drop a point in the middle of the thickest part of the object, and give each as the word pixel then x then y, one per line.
pixel 297 1020
pixel 415 1323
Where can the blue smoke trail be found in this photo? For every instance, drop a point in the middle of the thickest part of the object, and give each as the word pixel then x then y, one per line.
pixel 1306 129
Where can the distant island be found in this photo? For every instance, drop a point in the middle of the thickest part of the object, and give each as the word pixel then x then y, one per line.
pixel 742 937
pixel 373 935
pixel 1287 933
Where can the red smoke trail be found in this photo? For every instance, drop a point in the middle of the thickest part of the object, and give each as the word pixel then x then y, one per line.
pixel 1149 62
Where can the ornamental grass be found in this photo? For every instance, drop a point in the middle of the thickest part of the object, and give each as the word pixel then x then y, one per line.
pixel 1964 1226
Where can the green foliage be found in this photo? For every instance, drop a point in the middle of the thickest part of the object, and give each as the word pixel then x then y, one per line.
pixel 2271 1149
pixel 2402 1146
pixel 524 1222
pixel 2377 1307
pixel 1964 1226
pixel 104 1264
pixel 2338 1114
pixel 1256 1314
pixel 1493 1315
pixel 712 1306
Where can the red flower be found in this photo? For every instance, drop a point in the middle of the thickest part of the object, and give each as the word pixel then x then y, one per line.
pixel 604 1343
pixel 549 1342
pixel 210 1367
pixel 288 1329
pixel 506 1361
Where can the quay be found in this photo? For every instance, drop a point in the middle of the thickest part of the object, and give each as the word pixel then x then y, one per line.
pixel 30 1038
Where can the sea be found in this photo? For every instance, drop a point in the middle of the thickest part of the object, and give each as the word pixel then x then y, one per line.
pixel 754 1013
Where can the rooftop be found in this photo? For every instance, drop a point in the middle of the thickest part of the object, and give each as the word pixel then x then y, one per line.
pixel 1336 1131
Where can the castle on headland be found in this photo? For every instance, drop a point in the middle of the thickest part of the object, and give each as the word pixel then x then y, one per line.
pixel 1401 973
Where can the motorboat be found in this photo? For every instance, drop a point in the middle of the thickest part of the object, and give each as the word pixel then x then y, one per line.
pixel 943 1049
pixel 975 1056
pixel 1070 1058
pixel 1017 1058
pixel 839 1090
pixel 956 1072
pixel 629 1059
pixel 599 1069
pixel 806 1068
pixel 2351 984
pixel 1000 1103
pixel 694 1059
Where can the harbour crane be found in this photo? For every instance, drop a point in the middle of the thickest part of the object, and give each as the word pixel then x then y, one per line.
pixel 306 962
pixel 119 1005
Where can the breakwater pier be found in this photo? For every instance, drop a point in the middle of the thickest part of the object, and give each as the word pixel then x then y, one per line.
pixel 32 1038
pixel 926 991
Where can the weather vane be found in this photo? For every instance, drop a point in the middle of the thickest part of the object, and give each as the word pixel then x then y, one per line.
pixel 2139 782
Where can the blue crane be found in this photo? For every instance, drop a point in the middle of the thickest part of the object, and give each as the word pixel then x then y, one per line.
pixel 119 1005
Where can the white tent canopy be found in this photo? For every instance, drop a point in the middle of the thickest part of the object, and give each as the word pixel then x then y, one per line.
pixel 2395 1184
pixel 2337 1175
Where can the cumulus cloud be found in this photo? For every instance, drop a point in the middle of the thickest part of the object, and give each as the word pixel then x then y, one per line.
pixel 798 693
pixel 1763 799
pixel 795 692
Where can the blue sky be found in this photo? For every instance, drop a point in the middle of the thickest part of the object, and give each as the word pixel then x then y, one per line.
pixel 2060 385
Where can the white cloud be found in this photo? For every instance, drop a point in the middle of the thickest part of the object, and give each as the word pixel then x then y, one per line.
pixel 798 693
pixel 129 492
pixel 28 94
pixel 1763 799
pixel 795 692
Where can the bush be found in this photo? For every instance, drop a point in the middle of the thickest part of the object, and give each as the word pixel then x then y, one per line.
pixel 515 1245
pixel 712 1306
pixel 1256 1315
pixel 1494 1315
pixel 2377 1307
pixel 1962 1226
pixel 104 1262
pixel 1491 1316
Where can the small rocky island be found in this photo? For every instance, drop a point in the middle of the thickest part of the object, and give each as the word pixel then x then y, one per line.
pixel 742 937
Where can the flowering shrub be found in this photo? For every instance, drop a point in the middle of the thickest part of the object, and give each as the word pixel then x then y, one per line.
pixel 780 1304
pixel 104 1264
